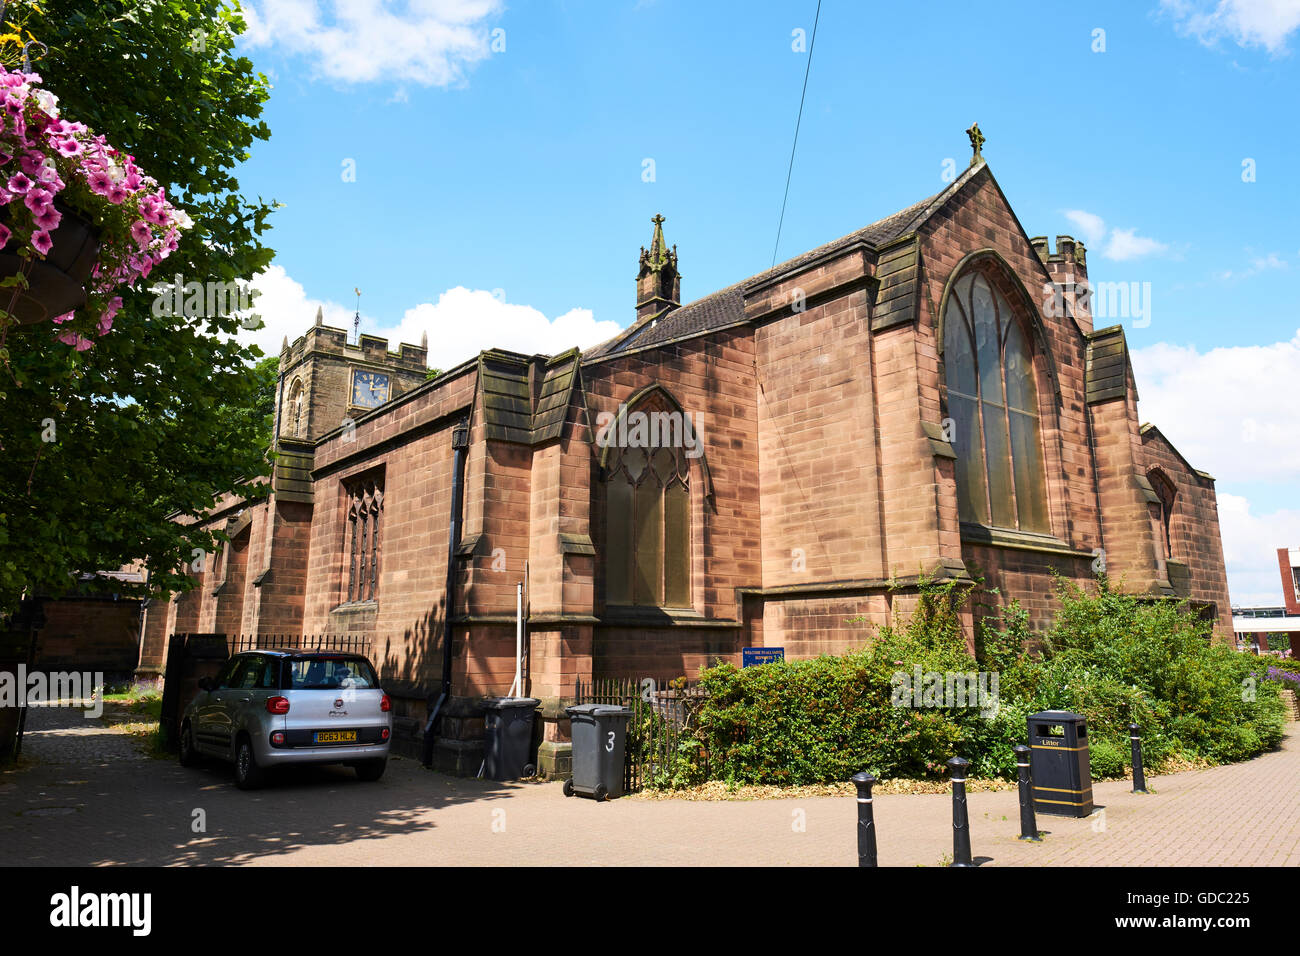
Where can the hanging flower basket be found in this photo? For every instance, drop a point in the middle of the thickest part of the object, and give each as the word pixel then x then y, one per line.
pixel 56 285
pixel 78 219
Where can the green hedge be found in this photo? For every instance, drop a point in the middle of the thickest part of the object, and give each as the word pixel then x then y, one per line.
pixel 1109 656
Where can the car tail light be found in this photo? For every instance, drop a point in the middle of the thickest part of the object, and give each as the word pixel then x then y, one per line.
pixel 277 705
pixel 277 738
pixel 385 704
pixel 383 733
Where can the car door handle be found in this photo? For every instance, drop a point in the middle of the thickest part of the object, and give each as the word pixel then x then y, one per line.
pixel 245 700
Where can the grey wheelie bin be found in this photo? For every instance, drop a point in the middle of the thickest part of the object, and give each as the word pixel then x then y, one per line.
pixel 599 734
pixel 509 723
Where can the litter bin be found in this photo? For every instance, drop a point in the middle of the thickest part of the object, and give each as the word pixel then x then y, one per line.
pixel 1060 764
pixel 509 744
pixel 599 734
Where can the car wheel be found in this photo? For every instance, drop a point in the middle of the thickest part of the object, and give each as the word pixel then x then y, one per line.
pixel 529 771
pixel 248 775
pixel 189 756
pixel 568 787
pixel 371 770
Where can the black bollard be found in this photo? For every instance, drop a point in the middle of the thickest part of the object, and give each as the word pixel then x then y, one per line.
pixel 1028 824
pixel 1139 778
pixel 960 822
pixel 866 820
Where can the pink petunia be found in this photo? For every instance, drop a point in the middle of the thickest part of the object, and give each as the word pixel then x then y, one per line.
pixel 19 183
pixel 48 218
pixel 110 313
pixel 65 317
pixel 117 194
pixel 37 199
pixel 101 184
pixel 69 147
pixel 42 242
pixel 141 233
pixel 5 235
pixel 77 340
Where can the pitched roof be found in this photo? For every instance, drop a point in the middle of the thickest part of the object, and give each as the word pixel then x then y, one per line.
pixel 727 306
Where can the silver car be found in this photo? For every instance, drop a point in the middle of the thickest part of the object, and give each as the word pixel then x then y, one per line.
pixel 274 708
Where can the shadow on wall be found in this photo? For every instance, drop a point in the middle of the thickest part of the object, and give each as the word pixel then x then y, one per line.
pixel 416 659
pixel 410 669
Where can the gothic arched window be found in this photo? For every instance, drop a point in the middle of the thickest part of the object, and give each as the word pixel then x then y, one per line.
pixel 648 507
pixel 1167 493
pixel 993 401
pixel 295 425
pixel 365 508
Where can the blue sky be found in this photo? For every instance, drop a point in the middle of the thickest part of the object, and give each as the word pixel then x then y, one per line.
pixel 500 194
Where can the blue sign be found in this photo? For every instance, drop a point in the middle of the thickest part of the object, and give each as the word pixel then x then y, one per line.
pixel 751 656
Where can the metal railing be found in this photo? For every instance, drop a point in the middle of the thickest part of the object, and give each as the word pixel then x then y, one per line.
pixel 663 712
pixel 346 643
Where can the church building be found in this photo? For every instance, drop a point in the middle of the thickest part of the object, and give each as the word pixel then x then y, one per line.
pixel 769 465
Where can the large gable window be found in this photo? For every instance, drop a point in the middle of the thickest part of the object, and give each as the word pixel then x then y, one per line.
pixel 648 514
pixel 993 401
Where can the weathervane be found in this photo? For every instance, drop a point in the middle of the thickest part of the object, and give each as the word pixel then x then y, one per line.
pixel 356 319
pixel 976 141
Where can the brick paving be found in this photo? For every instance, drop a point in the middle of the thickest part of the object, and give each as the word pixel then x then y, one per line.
pixel 86 795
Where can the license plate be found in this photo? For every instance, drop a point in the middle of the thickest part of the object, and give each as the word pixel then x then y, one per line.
pixel 335 737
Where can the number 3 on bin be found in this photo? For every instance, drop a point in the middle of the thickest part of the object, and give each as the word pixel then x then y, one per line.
pixel 609 744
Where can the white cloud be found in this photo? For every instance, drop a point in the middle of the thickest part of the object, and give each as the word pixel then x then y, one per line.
pixel 1248 23
pixel 460 324
pixel 1092 228
pixel 1250 544
pixel 1229 412
pixel 1122 245
pixel 1269 263
pixel 425 42
pixel 1125 244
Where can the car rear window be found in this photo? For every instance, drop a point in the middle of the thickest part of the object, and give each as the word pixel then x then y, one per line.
pixel 330 673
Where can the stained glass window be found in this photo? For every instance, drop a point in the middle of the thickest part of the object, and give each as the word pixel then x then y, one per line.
pixel 365 508
pixel 648 525
pixel 993 402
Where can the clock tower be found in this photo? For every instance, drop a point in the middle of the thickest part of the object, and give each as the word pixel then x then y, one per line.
pixel 327 381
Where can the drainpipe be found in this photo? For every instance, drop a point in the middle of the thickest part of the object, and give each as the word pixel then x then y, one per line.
pixel 459 444
pixel 1096 479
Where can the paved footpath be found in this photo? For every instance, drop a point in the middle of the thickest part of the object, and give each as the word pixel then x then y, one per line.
pixel 85 795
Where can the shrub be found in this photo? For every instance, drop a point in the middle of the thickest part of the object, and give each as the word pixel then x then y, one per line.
pixel 1109 759
pixel 1112 657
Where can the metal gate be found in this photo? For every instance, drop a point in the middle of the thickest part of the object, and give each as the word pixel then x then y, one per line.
pixel 662 713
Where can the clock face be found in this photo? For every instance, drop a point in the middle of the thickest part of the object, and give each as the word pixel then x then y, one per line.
pixel 369 389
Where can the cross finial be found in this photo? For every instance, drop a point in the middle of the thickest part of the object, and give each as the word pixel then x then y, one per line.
pixel 657 219
pixel 976 141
